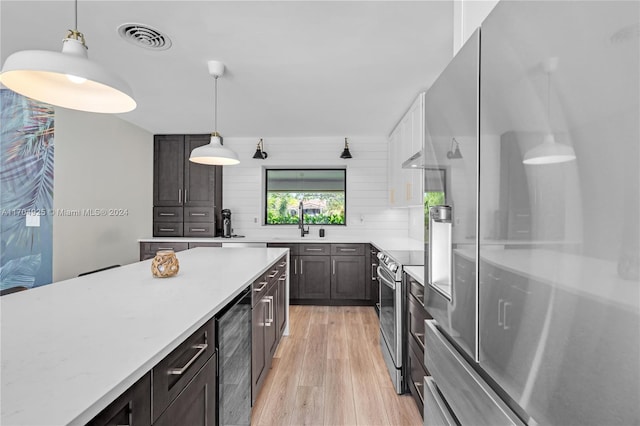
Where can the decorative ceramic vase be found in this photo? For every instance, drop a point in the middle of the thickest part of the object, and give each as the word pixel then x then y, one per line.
pixel 165 264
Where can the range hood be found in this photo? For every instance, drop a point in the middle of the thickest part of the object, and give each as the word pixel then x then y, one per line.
pixel 416 161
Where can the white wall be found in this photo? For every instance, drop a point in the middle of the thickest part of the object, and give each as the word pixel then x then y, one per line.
pixel 367 208
pixel 467 16
pixel 101 162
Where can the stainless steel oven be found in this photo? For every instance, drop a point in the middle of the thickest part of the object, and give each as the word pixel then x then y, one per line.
pixel 392 296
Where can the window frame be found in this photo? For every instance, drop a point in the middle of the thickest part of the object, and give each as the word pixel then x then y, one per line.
pixel 265 170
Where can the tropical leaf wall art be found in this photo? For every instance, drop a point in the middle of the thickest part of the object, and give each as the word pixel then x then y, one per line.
pixel 26 186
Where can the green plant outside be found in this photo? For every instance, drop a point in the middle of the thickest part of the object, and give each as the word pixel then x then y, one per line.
pixel 282 208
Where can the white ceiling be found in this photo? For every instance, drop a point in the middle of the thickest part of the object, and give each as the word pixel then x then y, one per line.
pixel 294 68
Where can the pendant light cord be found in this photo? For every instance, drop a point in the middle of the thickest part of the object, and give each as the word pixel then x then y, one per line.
pixel 215 105
pixel 76 16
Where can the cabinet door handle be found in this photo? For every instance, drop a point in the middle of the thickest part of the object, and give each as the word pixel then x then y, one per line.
pixel 295 266
pixel 273 274
pixel 270 319
pixel 282 265
pixel 179 371
pixel 180 196
pixel 312 249
pixel 334 266
pixel 282 278
pixel 167 229
pixel 264 284
pixel 301 272
pixel 167 214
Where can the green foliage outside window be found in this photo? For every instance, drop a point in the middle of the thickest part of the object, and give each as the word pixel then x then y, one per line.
pixel 321 208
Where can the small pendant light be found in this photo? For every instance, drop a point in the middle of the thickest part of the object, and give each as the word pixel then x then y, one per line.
pixel 549 151
pixel 214 153
pixel 260 154
pixel 345 153
pixel 67 79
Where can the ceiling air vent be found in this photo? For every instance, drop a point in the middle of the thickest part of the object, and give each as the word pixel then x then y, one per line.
pixel 144 36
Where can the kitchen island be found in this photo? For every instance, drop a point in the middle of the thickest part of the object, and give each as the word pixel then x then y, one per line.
pixel 71 348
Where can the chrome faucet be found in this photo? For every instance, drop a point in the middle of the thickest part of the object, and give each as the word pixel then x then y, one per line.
pixel 303 232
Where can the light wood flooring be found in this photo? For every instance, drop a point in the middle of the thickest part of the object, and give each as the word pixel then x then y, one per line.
pixel 329 371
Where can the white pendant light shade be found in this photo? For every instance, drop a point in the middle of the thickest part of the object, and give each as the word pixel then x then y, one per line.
pixel 549 152
pixel 214 153
pixel 67 79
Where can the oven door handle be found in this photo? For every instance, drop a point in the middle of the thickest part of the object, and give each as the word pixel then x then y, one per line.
pixel 384 280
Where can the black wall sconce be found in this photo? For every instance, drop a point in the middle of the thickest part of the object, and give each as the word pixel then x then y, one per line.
pixel 454 154
pixel 260 152
pixel 345 153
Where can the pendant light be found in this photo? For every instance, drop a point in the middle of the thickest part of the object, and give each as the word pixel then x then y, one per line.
pixel 214 153
pixel 260 154
pixel 67 79
pixel 345 153
pixel 549 151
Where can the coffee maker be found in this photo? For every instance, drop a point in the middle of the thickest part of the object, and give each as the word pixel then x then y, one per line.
pixel 226 223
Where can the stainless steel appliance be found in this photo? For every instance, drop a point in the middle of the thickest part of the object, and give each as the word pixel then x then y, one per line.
pixel 227 230
pixel 532 272
pixel 392 297
pixel 234 357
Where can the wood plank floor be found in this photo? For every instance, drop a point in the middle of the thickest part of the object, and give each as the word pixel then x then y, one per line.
pixel 330 371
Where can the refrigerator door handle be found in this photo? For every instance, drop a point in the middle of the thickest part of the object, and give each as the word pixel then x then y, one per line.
pixel 500 308
pixel 504 315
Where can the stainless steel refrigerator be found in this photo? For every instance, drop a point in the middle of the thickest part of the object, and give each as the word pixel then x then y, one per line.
pixel 532 191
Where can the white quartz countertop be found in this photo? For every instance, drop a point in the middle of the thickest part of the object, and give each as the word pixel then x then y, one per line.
pixel 70 348
pixel 381 242
pixel 417 272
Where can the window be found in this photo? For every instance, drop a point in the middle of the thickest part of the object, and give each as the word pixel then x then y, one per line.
pixel 321 191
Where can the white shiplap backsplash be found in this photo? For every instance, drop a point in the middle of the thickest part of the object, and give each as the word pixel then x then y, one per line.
pixel 368 213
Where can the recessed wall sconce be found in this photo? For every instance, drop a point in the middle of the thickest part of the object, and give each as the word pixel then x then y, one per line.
pixel 454 154
pixel 260 154
pixel 345 153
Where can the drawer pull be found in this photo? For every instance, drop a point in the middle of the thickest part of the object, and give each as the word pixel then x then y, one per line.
pixel 167 229
pixel 417 299
pixel 264 284
pixel 282 278
pixel 282 265
pixel 198 229
pixel 179 371
pixel 273 274
pixel 419 387
pixel 197 214
pixel 420 338
pixel 167 214
pixel 347 249
pixel 165 248
pixel 313 249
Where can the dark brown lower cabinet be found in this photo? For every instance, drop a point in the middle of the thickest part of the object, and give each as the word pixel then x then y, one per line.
pixel 132 408
pixel 416 315
pixel 347 277
pixel 314 277
pixel 196 404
